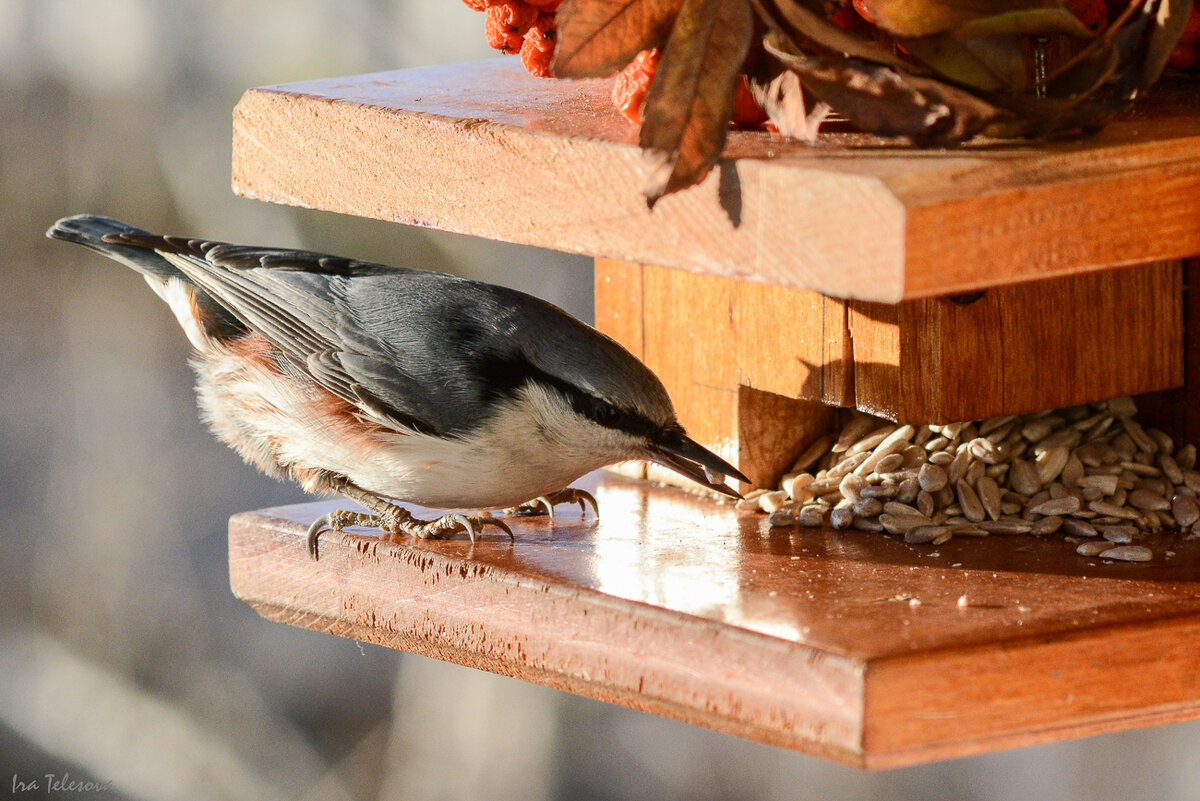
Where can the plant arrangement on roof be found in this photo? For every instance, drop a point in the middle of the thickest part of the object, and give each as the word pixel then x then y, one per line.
pixel 934 72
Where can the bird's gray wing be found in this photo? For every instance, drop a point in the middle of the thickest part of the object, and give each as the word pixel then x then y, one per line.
pixel 381 338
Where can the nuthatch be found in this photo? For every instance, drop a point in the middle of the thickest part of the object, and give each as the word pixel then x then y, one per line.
pixel 386 383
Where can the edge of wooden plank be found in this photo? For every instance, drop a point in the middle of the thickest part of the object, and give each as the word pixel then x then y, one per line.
pixel 850 217
pixel 404 597
pixel 1031 691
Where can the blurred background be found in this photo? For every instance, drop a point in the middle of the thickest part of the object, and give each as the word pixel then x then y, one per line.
pixel 124 659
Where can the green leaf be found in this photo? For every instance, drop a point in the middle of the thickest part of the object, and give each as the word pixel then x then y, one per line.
pixel 690 100
pixel 599 37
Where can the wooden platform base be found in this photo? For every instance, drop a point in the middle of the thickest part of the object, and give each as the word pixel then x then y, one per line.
pixel 848 645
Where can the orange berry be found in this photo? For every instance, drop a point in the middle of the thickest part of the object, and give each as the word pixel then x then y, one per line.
pixel 861 7
pixel 506 24
pixel 632 83
pixel 537 51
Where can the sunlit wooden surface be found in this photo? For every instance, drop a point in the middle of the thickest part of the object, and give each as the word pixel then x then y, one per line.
pixel 485 149
pixel 849 645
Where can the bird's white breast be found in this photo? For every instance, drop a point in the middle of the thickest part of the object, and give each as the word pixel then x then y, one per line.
pixel 532 444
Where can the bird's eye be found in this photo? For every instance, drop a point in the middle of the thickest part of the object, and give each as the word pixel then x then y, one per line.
pixel 605 414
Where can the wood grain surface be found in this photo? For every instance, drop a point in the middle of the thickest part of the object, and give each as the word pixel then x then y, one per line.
pixel 849 645
pixel 739 357
pixel 485 149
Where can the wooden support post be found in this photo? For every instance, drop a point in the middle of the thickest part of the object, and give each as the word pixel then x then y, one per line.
pixel 1012 349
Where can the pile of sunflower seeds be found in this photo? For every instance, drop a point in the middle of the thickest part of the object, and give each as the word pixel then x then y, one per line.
pixel 1090 473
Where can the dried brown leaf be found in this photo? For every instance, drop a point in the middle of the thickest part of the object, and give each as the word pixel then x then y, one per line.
pixel 599 37
pixel 690 100
pixel 927 17
pixel 808 24
pixel 889 103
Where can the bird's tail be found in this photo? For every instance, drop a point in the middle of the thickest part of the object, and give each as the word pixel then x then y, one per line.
pixel 89 230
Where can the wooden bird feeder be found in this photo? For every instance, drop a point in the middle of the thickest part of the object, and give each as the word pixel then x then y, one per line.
pixel 924 286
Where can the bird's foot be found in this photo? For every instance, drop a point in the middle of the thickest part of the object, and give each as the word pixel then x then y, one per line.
pixel 546 503
pixel 394 521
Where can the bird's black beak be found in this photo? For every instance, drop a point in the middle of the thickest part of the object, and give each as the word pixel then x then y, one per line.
pixel 679 452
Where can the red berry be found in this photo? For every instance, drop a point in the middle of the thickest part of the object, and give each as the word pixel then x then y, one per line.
pixel 1184 56
pixel 1092 13
pixel 1191 28
pixel 746 111
pixel 863 11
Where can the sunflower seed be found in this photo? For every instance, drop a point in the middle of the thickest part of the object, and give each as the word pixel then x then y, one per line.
pixel 1107 484
pixel 1050 463
pixel 923 534
pixel 1186 457
pixel 841 517
pixel 1006 526
pixel 1144 499
pixel 989 495
pixel 1057 506
pixel 1139 436
pixel 968 499
pixel 856 430
pixel 782 517
pixel 1121 407
pixel 868 507
pixel 771 501
pixel 901 524
pixel 1170 468
pixel 1185 510
pixel 1128 553
pixel 1118 534
pixel 811 516
pixel 1093 548
pixel 1079 528
pixel 1047 525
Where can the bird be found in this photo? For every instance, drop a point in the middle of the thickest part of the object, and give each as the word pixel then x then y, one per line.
pixel 391 385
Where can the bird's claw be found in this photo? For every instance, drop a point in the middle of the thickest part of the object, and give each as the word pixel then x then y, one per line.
pixel 545 504
pixel 396 521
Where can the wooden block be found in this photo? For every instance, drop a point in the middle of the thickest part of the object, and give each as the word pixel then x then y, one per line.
pixel 847 645
pixel 1177 411
pixel 487 150
pixel 1010 350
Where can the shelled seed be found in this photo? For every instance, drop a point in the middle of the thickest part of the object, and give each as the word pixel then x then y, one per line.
pixel 1088 471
